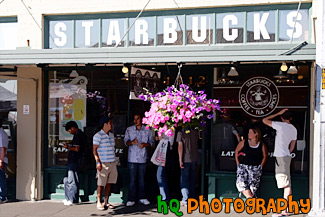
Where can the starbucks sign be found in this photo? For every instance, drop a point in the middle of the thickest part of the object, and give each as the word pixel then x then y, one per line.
pixel 258 96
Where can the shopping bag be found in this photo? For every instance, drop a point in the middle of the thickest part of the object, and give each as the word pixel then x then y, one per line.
pixel 159 156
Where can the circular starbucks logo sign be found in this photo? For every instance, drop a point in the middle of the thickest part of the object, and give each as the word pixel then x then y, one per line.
pixel 258 96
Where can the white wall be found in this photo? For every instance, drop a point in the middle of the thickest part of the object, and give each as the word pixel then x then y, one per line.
pixel 28 28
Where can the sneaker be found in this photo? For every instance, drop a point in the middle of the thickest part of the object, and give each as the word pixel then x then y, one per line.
pixel 130 203
pixel 144 201
pixel 67 203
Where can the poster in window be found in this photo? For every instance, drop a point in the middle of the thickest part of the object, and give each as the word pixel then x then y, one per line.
pixel 143 79
pixel 71 103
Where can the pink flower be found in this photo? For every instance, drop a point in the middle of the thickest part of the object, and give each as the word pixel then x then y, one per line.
pixel 169 133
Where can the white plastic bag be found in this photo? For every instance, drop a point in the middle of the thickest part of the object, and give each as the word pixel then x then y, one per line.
pixel 159 156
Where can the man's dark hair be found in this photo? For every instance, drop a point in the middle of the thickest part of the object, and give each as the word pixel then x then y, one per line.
pixel 104 120
pixel 0 122
pixel 70 124
pixel 138 114
pixel 287 115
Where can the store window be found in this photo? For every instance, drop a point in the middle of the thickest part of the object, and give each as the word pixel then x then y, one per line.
pixel 199 29
pixel 61 33
pixel 8 35
pixel 87 33
pixel 230 28
pixel 8 113
pixel 142 32
pixel 85 95
pixel 288 21
pixel 261 26
pixel 170 30
pixel 112 32
pixel 232 122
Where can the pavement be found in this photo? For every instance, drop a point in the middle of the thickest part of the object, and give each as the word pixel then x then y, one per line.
pixel 46 208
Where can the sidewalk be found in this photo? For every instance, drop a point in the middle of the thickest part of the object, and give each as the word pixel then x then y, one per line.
pixel 56 208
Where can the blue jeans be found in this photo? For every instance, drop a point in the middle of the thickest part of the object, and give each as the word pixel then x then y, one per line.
pixel 162 183
pixel 71 184
pixel 137 171
pixel 188 181
pixel 3 183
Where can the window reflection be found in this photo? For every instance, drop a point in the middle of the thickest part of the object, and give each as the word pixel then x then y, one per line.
pixel 61 33
pixel 232 119
pixel 287 22
pixel 261 26
pixel 112 32
pixel 142 33
pixel 8 35
pixel 230 28
pixel 170 30
pixel 199 29
pixel 84 96
pixel 87 33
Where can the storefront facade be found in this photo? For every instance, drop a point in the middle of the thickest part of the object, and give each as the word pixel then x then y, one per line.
pixel 75 74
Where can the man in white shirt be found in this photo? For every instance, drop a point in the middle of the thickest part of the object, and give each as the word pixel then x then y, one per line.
pixel 3 163
pixel 285 141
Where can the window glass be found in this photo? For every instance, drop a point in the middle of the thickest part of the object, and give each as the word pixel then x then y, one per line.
pixel 230 27
pixel 199 29
pixel 142 32
pixel 61 33
pixel 287 22
pixel 235 118
pixel 8 36
pixel 112 32
pixel 261 26
pixel 84 96
pixel 170 30
pixel 8 113
pixel 87 33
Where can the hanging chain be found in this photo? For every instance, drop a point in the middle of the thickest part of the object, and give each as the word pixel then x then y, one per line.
pixel 179 79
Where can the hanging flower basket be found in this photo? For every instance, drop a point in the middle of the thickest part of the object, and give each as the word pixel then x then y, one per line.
pixel 178 107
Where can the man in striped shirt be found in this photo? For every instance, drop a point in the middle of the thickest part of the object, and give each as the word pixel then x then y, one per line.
pixel 104 152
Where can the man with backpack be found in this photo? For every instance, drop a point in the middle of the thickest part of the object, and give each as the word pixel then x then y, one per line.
pixel 76 149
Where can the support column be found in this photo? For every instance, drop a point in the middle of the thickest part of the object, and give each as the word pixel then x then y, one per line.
pixel 29 133
pixel 318 152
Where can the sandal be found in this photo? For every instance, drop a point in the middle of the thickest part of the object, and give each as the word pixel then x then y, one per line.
pixel 100 207
pixel 106 206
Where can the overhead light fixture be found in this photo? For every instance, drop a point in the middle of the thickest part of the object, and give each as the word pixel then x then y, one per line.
pixel 125 77
pixel 280 75
pixel 292 70
pixel 125 69
pixel 74 74
pixel 233 72
pixel 223 77
pixel 284 67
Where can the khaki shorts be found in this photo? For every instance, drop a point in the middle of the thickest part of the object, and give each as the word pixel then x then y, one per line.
pixel 282 171
pixel 108 174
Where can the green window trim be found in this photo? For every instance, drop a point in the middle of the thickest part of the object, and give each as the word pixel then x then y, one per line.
pixel 184 13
